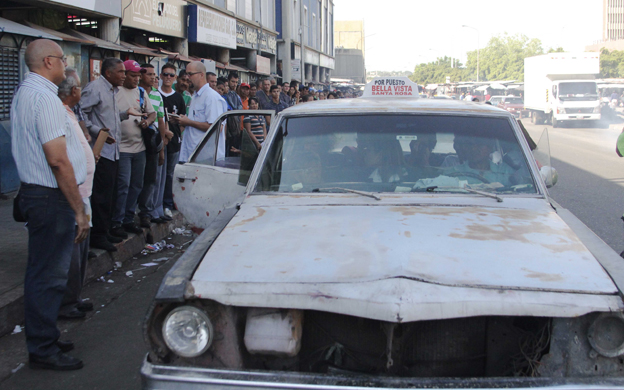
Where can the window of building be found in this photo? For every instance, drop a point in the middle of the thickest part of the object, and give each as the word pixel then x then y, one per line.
pixel 231 5
pixel 313 40
pixel 9 69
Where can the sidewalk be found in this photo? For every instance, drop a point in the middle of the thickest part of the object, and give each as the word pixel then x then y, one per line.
pixel 14 254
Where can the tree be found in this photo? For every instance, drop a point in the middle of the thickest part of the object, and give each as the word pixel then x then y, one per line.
pixel 436 72
pixel 611 64
pixel 503 58
pixel 557 50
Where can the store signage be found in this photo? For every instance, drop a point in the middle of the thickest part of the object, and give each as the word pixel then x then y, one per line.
pixel 166 17
pixel 248 36
pixel 295 66
pixel 263 65
pixel 391 87
pixel 210 27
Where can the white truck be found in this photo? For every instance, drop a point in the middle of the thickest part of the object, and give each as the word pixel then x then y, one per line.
pixel 561 87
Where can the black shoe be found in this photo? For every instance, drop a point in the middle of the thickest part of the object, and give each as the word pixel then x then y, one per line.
pixel 166 219
pixel 91 255
pixel 118 231
pixel 132 228
pixel 65 346
pixel 113 239
pixel 58 362
pixel 102 243
pixel 73 314
pixel 158 220
pixel 145 221
pixel 84 306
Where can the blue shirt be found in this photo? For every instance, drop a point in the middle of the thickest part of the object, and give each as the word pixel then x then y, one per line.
pixel 37 117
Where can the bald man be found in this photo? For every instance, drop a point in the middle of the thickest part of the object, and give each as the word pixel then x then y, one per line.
pixel 206 106
pixel 51 164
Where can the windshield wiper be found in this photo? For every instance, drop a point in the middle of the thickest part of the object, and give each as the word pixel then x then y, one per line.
pixel 363 193
pixel 483 193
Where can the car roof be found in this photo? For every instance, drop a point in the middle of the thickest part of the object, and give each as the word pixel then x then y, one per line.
pixel 393 105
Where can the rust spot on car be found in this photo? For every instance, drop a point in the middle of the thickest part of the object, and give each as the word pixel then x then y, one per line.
pixel 317 258
pixel 260 211
pixel 183 188
pixel 207 214
pixel 544 277
pixel 408 234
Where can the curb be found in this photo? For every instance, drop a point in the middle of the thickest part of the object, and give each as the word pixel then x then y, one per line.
pixel 12 301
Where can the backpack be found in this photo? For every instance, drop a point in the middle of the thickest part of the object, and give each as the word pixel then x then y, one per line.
pixel 151 136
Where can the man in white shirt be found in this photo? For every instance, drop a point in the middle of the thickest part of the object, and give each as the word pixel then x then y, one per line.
pixel 206 106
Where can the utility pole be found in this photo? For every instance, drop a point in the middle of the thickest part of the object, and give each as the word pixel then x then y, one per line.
pixel 301 40
pixel 261 31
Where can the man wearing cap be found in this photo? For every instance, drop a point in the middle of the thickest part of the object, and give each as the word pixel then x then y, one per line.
pixel 98 102
pixel 131 151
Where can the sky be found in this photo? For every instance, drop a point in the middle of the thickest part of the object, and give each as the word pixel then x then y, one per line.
pixel 399 34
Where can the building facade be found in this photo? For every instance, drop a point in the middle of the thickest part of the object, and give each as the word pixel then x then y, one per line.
pixel 612 26
pixel 350 51
pixel 227 35
pixel 305 49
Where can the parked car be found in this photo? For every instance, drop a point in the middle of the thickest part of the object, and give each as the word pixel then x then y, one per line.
pixel 383 242
pixel 513 104
pixel 495 100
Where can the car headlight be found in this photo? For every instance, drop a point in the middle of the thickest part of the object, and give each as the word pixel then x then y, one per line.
pixel 606 334
pixel 561 110
pixel 188 331
pixel 597 109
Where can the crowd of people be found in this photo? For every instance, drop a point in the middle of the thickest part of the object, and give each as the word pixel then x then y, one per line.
pixel 90 159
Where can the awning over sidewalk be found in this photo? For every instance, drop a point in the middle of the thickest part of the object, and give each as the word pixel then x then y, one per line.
pixel 97 42
pixel 10 27
pixel 142 50
pixel 176 56
pixel 60 35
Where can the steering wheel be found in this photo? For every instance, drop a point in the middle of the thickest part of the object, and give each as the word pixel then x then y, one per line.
pixel 469 174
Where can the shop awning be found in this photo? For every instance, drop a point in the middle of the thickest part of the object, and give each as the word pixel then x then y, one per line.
pixel 10 27
pixel 142 50
pixel 482 88
pixel 431 86
pixel 97 42
pixel 63 36
pixel 176 56
pixel 497 86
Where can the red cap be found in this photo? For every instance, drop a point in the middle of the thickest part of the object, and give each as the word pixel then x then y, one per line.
pixel 132 65
pixel 245 85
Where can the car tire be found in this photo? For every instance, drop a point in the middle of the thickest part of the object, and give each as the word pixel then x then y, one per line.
pixel 555 122
pixel 533 116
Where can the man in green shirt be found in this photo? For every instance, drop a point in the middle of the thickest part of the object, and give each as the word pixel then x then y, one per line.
pixel 182 87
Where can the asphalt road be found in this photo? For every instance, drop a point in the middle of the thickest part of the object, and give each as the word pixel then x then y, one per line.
pixel 110 341
pixel 591 176
pixel 591 185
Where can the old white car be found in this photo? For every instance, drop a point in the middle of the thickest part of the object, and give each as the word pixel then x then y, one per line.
pixel 383 242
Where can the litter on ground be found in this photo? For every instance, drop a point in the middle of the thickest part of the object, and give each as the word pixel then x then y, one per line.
pixel 18 329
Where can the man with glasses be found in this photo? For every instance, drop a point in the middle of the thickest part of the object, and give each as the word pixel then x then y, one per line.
pixel 206 106
pixel 174 106
pixel 51 164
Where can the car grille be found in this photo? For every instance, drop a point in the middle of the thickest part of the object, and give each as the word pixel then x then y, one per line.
pixel 580 110
pixel 466 347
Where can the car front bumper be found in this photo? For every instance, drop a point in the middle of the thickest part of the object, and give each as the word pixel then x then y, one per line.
pixel 161 377
pixel 578 117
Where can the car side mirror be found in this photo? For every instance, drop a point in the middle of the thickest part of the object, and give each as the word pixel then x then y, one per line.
pixel 549 175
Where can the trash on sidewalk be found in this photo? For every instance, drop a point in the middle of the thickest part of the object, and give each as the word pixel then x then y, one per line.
pixel 129 273
pixel 183 245
pixel 150 264
pixel 101 279
pixel 161 259
pixel 184 232
pixel 154 248
pixel 118 264
pixel 110 281
pixel 16 369
pixel 18 329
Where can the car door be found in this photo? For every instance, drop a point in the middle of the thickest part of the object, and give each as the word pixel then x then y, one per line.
pixel 214 178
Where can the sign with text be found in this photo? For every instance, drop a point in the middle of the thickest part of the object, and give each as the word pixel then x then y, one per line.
pixel 296 69
pixel 210 27
pixel 391 87
pixel 249 36
pixel 166 17
pixel 263 65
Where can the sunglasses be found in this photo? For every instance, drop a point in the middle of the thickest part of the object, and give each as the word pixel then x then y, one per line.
pixel 168 74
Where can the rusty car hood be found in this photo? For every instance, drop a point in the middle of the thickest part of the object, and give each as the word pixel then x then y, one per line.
pixel 413 249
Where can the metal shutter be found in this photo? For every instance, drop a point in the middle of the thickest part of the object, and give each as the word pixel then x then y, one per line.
pixel 9 74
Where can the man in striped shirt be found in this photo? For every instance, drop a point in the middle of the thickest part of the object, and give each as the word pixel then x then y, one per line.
pixel 51 164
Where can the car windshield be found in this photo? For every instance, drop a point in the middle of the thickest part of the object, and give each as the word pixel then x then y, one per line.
pixel 395 153
pixel 513 101
pixel 573 89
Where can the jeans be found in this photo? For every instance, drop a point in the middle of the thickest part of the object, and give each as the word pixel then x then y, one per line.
pixel 155 203
pixel 129 186
pixel 149 182
pixel 172 161
pixel 51 232
pixel 103 197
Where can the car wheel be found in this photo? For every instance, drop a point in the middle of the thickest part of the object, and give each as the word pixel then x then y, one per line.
pixel 555 122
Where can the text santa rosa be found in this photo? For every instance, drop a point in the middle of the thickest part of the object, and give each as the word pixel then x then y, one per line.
pixel 391 87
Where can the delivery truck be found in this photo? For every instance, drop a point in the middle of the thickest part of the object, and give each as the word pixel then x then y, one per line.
pixel 560 88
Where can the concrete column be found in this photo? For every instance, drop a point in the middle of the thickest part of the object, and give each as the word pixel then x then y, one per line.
pixel 224 56
pixel 315 73
pixel 180 45
pixel 287 35
pixel 109 29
